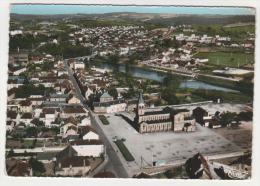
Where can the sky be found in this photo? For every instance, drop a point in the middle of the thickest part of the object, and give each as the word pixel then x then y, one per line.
pixel 100 9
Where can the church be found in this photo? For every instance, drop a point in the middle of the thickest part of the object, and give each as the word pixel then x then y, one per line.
pixel 162 120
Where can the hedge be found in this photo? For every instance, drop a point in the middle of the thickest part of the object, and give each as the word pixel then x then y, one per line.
pixel 127 155
pixel 103 119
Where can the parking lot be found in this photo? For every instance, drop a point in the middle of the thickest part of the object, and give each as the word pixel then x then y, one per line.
pixel 166 146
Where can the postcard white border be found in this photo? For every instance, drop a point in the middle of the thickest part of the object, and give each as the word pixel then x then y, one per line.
pixel 19 181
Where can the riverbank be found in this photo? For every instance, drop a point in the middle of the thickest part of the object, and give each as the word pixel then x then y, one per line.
pixel 161 73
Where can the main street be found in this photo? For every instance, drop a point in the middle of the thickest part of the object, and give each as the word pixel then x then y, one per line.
pixel 113 164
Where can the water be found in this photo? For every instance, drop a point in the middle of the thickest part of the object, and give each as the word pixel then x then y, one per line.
pixel 159 76
pixel 100 9
pixel 201 85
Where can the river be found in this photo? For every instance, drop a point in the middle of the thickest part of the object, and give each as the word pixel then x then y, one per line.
pixel 159 76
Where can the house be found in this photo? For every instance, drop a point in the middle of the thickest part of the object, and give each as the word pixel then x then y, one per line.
pixel 11 94
pixel 14 83
pixel 105 97
pixel 10 125
pixel 50 116
pixel 26 118
pixel 68 127
pixel 88 147
pixel 18 71
pixel 20 57
pixel 214 123
pixel 59 97
pixel 36 100
pixel 71 133
pixel 88 92
pixel 88 133
pixel 84 121
pixel 73 166
pixel 73 100
pixel 73 111
pixel 25 106
pixel 12 115
pixel 79 65
pixel 110 106
pixel 16 167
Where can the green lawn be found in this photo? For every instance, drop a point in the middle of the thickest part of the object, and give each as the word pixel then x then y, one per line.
pixel 123 149
pixel 226 59
pixel 28 143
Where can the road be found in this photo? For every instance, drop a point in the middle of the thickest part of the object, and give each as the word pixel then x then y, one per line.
pixel 113 164
pixel 190 73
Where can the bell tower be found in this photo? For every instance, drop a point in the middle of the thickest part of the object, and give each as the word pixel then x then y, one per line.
pixel 140 105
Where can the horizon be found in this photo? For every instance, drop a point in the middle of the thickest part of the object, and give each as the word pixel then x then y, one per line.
pixel 62 9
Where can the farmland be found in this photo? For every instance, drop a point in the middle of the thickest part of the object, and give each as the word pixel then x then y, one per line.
pixel 226 59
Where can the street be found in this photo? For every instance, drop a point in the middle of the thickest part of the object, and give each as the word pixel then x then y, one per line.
pixel 113 164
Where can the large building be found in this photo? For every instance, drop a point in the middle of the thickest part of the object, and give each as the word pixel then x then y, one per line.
pixel 107 104
pixel 20 58
pixel 166 119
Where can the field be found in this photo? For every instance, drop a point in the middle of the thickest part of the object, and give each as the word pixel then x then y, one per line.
pixel 226 59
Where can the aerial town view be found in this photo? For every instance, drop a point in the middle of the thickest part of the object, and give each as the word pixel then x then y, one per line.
pixel 130 92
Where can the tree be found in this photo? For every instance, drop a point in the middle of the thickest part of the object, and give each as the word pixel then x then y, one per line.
pixel 37 122
pixel 168 94
pixel 226 118
pixel 37 167
pixel 171 84
pixel 31 132
pixel 114 59
pixel 183 42
pixel 11 153
pixel 193 167
pixel 245 116
pixel 113 92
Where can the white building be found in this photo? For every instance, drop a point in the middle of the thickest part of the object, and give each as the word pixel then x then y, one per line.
pixel 88 148
pixel 79 65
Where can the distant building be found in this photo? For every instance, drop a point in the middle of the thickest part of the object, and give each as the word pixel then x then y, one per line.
pixel 79 65
pixel 20 58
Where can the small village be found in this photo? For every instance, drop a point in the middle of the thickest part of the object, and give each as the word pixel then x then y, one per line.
pixel 77 107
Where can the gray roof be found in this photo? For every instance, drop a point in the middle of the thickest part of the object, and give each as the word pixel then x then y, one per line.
pixel 105 95
pixel 140 99
pixel 59 95
pixel 46 155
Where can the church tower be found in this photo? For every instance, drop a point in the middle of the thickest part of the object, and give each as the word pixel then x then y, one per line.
pixel 140 105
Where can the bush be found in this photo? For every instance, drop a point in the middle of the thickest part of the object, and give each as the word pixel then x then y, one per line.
pixel 37 167
pixel 103 119
pixel 245 116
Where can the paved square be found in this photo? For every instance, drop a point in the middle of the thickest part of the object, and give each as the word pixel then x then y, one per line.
pixel 167 146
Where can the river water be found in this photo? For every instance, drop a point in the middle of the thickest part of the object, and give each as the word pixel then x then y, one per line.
pixel 159 76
